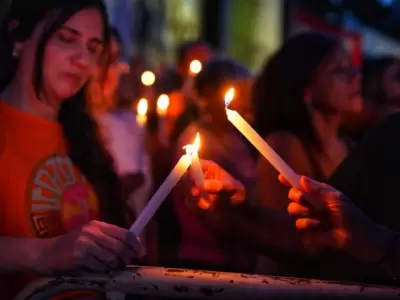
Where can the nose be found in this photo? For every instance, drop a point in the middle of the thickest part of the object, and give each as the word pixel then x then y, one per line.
pixel 81 59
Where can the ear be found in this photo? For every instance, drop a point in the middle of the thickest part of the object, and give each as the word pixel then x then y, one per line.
pixel 17 47
pixel 307 96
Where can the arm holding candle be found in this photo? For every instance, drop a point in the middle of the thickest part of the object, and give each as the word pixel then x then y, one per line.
pixel 233 219
pixel 350 230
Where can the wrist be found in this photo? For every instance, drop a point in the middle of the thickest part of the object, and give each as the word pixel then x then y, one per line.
pixel 371 246
pixel 41 259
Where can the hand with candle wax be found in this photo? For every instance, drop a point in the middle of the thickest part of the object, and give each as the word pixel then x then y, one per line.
pixel 218 185
pixel 334 221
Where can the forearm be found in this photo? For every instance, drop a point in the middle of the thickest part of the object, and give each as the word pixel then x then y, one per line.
pixel 377 246
pixel 20 254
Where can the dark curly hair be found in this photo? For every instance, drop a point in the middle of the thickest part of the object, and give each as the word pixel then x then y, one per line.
pixel 278 92
pixel 80 130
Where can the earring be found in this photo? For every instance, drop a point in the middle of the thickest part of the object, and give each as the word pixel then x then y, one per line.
pixel 15 53
pixel 309 107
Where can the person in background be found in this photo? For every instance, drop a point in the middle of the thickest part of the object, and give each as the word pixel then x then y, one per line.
pixel 333 220
pixel 119 128
pixel 223 144
pixel 61 203
pixel 299 97
pixel 181 112
pixel 381 93
pixel 381 85
pixel 124 139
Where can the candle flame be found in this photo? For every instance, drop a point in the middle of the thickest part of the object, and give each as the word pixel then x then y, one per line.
pixel 195 67
pixel 230 94
pixel 163 102
pixel 193 148
pixel 142 107
pixel 148 78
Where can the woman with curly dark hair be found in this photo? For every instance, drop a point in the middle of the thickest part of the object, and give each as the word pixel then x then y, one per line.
pixel 300 97
pixel 60 199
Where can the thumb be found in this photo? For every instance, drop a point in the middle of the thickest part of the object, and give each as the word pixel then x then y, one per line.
pixel 314 190
pixel 311 186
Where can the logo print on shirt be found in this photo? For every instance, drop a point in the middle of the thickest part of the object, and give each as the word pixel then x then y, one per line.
pixel 59 198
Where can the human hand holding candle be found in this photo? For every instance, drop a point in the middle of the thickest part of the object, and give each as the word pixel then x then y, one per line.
pixel 155 202
pixel 217 183
pixel 258 142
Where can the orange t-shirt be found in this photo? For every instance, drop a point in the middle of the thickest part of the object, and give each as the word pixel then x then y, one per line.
pixel 42 193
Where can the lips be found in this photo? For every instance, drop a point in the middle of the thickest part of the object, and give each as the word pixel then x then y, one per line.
pixel 74 79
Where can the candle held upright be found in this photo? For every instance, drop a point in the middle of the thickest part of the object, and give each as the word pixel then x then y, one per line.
pixel 162 111
pixel 258 142
pixel 196 169
pixel 194 68
pixel 141 120
pixel 162 105
pixel 163 191
pixel 142 108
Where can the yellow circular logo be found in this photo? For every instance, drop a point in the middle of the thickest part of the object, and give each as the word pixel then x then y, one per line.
pixel 59 198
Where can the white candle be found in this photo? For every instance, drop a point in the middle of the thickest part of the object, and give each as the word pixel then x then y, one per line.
pixel 258 142
pixel 141 119
pixel 162 193
pixel 142 108
pixel 162 110
pixel 158 198
pixel 194 69
pixel 195 169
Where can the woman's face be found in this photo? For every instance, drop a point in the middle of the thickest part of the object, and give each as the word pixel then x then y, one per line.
pixel 391 84
pixel 336 86
pixel 70 54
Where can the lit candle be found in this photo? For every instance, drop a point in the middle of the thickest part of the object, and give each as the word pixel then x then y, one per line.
pixel 162 110
pixel 142 107
pixel 141 120
pixel 249 133
pixel 158 198
pixel 148 78
pixel 194 69
pixel 162 105
pixel 196 169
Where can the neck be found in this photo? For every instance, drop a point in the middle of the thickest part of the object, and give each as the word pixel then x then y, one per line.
pixel 17 95
pixel 326 128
